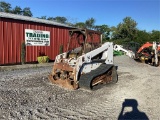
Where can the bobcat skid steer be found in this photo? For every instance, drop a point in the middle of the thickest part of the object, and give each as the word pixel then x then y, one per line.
pixel 86 63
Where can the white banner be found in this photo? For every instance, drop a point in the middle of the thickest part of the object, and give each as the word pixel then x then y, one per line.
pixel 37 37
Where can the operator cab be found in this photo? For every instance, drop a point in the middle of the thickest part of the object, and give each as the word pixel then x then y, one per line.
pixel 82 41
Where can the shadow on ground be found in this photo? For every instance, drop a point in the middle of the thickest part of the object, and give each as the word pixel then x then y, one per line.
pixel 134 114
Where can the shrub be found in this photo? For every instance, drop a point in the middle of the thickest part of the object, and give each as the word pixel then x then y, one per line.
pixel 23 52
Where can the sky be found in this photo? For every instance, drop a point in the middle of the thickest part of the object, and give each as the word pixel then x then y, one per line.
pixel 110 12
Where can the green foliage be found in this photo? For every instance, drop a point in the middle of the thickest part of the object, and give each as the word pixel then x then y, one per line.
pixel 118 41
pixel 90 23
pixel 105 30
pixel 43 59
pixel 126 29
pixel 80 25
pixel 60 19
pixel 43 17
pixel 17 10
pixel 57 19
pixel 155 35
pixel 5 7
pixel 23 52
pixel 142 37
pixel 61 49
pixel 27 12
pixel 51 18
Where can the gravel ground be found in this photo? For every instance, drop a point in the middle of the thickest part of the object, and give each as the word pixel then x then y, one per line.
pixel 28 94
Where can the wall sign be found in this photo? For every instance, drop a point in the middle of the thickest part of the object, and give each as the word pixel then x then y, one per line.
pixel 37 37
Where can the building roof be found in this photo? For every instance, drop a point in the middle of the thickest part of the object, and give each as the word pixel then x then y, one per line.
pixel 26 18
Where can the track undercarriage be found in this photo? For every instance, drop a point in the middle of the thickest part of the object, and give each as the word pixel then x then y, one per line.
pixel 104 74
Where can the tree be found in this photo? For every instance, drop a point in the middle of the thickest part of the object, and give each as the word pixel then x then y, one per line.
pixel 114 32
pixel 90 23
pixel 50 18
pixel 5 7
pixel 43 17
pixel 70 24
pixel 60 19
pixel 155 35
pixel 17 10
pixel 105 30
pixel 80 25
pixel 142 37
pixel 125 30
pixel 27 12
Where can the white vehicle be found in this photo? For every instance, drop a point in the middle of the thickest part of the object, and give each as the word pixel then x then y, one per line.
pixel 86 66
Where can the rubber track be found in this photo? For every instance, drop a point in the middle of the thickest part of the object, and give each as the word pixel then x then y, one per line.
pixel 86 79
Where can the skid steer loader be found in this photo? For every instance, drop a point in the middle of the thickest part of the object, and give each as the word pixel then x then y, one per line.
pixel 87 65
